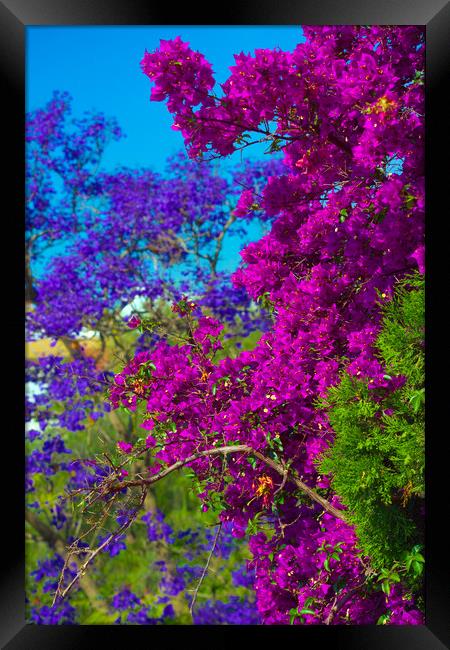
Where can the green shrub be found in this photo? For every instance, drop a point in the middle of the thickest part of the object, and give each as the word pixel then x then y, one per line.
pixel 376 461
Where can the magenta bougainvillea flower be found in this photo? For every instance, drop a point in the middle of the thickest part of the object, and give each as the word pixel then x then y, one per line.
pixel 134 322
pixel 125 447
pixel 346 109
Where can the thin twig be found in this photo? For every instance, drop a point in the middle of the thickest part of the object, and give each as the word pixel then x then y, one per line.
pixel 61 594
pixel 339 602
pixel 205 569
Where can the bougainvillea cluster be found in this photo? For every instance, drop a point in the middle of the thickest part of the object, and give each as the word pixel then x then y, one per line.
pixel 348 222
pixel 346 215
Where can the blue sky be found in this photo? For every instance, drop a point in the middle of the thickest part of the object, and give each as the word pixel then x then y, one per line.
pixel 100 68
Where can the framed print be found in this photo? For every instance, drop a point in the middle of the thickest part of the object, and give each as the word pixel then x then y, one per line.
pixel 227 323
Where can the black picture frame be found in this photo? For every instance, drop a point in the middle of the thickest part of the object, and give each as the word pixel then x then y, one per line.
pixel 15 17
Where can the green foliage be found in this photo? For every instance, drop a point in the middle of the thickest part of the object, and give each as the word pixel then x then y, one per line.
pixel 376 462
pixel 176 498
pixel 265 302
pixel 230 349
pixel 295 613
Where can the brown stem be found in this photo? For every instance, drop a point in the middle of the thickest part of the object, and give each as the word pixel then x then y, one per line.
pixel 219 240
pixel 339 602
pixel 338 142
pixel 73 347
pixel 30 291
pixel 312 494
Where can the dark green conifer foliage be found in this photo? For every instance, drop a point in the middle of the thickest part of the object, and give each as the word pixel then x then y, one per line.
pixel 377 460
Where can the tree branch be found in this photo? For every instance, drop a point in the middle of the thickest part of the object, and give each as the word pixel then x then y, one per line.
pixel 312 494
pixel 339 602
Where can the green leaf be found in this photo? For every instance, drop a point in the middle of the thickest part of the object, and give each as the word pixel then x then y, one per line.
pixel 417 567
pixel 417 399
pixel 410 201
pixel 386 587
pixel 384 618
pixel 293 615
pixel 275 145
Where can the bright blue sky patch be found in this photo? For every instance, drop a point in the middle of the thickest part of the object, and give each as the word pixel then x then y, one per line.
pixel 100 68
